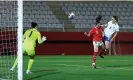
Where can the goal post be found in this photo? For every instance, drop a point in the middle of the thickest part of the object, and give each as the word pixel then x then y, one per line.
pixel 11 32
pixel 19 39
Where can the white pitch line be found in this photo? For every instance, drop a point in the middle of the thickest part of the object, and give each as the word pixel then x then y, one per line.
pixel 129 69
pixel 124 69
pixel 72 65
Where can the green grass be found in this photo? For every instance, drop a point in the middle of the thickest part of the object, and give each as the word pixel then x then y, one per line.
pixel 5 64
pixel 79 68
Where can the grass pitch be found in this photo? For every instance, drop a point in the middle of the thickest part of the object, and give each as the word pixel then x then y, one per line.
pixel 79 68
pixel 70 68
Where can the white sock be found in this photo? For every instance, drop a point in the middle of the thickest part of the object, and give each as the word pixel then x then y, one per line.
pixel 93 63
pixel 27 71
pixel 12 69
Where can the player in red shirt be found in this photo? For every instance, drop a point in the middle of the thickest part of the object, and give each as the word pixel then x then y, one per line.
pixel 98 34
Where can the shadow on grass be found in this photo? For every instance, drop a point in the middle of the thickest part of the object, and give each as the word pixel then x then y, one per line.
pixel 42 70
pixel 40 73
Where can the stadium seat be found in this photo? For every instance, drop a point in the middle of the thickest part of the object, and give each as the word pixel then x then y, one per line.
pixel 131 18
pixel 114 9
pixel 110 5
pixel 84 8
pixel 82 12
pixel 101 5
pixel 109 9
pixel 83 26
pixel 99 9
pixel 127 14
pixel 89 8
pixel 77 26
pixel 94 9
pixel 130 6
pixel 85 12
pixel 103 13
pixel 85 4
pixel 76 4
pixel 81 4
pixel 31 16
pixel 113 13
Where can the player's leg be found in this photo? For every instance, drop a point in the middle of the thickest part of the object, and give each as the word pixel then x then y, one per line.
pixel 107 44
pixel 15 64
pixel 16 61
pixel 30 63
pixel 95 54
pixel 31 54
pixel 101 49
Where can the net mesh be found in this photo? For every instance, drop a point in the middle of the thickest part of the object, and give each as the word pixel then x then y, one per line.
pixel 8 39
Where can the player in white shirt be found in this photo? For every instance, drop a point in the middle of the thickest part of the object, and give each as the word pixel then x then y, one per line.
pixel 110 32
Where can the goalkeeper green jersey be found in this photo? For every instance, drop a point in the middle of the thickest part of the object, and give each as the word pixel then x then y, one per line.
pixel 31 36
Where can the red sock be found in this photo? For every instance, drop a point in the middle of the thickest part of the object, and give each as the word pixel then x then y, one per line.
pixel 94 57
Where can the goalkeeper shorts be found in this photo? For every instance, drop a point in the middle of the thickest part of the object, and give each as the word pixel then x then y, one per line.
pixel 29 50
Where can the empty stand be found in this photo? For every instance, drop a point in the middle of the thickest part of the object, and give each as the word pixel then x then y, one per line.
pixel 39 11
pixel 86 12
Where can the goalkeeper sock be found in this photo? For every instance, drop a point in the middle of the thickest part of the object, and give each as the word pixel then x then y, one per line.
pixel 15 64
pixel 30 64
pixel 94 57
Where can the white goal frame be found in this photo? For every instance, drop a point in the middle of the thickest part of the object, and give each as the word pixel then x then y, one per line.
pixel 19 39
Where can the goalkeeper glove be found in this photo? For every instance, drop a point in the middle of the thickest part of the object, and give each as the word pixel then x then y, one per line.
pixel 44 39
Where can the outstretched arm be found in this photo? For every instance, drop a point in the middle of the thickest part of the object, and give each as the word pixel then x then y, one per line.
pixel 104 25
pixel 113 36
pixel 92 31
pixel 87 34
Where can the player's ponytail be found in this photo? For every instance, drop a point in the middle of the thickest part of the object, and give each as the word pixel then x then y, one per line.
pixel 116 18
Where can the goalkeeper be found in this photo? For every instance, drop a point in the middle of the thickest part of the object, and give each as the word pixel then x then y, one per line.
pixel 29 43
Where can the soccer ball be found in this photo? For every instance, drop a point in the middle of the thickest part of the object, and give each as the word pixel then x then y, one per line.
pixel 71 15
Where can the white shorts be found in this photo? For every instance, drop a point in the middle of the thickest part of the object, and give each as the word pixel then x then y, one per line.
pixel 97 43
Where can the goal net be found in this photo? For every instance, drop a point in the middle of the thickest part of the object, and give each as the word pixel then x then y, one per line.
pixel 10 38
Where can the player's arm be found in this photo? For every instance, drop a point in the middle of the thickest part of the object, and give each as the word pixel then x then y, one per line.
pixel 39 39
pixel 86 34
pixel 105 25
pixel 115 34
pixel 102 32
pixel 90 33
